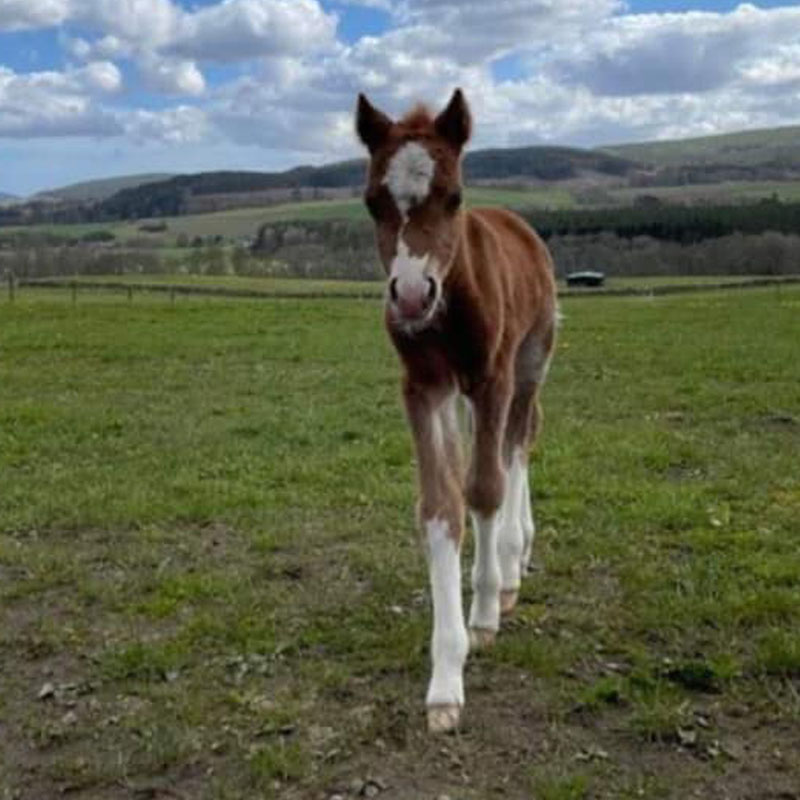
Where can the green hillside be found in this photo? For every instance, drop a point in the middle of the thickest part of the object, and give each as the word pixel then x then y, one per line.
pixel 772 146
pixel 98 190
pixel 169 198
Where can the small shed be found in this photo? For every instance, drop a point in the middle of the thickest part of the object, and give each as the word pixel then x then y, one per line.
pixel 586 278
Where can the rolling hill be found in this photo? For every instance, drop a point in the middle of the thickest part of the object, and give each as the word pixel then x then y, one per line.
pixel 170 197
pixel 601 176
pixel 766 147
pixel 98 190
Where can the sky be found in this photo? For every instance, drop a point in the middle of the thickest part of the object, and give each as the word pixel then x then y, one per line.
pixel 96 88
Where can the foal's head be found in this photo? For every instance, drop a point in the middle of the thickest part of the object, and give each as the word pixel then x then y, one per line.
pixel 414 196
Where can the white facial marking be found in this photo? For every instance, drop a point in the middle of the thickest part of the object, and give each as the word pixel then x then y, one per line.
pixel 411 273
pixel 409 176
pixel 449 643
pixel 408 269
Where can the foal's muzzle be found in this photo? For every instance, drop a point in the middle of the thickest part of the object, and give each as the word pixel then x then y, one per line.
pixel 413 301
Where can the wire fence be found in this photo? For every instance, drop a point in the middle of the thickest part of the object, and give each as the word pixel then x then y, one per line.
pixel 130 290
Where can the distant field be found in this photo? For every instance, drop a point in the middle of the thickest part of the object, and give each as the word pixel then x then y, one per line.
pixel 243 222
pixel 211 585
pixel 735 191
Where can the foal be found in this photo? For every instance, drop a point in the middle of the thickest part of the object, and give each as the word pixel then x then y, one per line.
pixel 471 311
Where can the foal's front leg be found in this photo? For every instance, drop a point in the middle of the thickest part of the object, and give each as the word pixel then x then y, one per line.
pixel 485 490
pixel 441 515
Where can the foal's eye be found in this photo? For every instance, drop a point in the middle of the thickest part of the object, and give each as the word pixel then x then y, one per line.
pixel 453 201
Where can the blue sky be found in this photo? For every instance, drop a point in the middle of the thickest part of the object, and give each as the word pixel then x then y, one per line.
pixel 92 88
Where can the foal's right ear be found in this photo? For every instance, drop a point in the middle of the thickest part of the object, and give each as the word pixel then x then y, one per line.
pixel 372 125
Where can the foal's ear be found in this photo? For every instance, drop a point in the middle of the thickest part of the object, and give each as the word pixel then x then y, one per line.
pixel 372 125
pixel 455 122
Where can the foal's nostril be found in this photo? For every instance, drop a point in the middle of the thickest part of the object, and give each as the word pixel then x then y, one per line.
pixel 431 290
pixel 393 289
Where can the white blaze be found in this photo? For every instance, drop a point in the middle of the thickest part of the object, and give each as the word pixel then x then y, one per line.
pixel 409 270
pixel 409 176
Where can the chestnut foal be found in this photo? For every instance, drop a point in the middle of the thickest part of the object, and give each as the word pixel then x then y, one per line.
pixel 471 310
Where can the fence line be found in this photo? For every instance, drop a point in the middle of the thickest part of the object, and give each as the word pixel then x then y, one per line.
pixel 366 294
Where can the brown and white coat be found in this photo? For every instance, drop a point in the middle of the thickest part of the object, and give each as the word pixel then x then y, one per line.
pixel 471 311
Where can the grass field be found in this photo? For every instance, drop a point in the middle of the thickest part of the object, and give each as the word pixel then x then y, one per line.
pixel 211 587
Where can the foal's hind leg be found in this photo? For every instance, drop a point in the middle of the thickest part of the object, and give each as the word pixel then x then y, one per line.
pixel 513 534
pixel 528 524
pixel 515 539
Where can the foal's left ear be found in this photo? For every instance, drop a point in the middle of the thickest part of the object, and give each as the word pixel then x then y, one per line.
pixel 455 122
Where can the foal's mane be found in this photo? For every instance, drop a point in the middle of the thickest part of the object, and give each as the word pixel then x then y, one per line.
pixel 418 120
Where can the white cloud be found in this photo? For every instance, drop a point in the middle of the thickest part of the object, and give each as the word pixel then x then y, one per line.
pixel 674 53
pixel 181 125
pixel 171 76
pixel 166 40
pixel 477 29
pixel 136 22
pixel 57 103
pixel 64 104
pixel 102 76
pixel 236 30
pixel 231 30
pixel 589 71
pixel 106 47
pixel 22 14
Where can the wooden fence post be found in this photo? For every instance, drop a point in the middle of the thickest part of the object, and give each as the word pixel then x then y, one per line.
pixel 11 286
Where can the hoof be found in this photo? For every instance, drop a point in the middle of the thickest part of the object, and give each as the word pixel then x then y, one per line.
pixel 481 638
pixel 443 719
pixel 508 601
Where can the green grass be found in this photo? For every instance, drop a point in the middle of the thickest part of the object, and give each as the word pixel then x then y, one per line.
pixel 207 549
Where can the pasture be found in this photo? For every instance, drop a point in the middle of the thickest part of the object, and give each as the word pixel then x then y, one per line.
pixel 211 585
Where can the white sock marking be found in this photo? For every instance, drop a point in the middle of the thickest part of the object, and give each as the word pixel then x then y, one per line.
pixel 449 643
pixel 486 577
pixel 528 525
pixel 511 541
